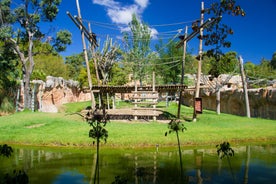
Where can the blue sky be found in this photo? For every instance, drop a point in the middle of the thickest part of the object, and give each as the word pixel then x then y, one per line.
pixel 254 35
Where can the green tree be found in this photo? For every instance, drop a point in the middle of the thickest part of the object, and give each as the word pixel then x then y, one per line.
pixel 50 65
pixel 82 78
pixel 75 64
pixel 216 34
pixel 8 78
pixel 273 61
pixel 225 65
pixel 118 75
pixel 261 73
pixel 21 39
pixel 168 67
pixel 138 47
pixel 250 69
pixel 191 63
pixel 265 70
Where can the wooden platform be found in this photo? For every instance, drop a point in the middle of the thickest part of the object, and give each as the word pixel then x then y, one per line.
pixel 129 89
pixel 128 114
pixel 140 112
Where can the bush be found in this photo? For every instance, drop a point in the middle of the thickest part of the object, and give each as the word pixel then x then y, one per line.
pixel 7 105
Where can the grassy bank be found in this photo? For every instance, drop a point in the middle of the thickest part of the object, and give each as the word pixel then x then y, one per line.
pixel 61 129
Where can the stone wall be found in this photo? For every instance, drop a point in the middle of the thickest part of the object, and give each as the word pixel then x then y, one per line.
pixel 262 101
pixel 57 91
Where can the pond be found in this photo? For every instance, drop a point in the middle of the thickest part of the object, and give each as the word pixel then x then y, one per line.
pixel 250 164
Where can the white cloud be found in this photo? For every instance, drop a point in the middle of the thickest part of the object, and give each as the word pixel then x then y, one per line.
pixel 153 33
pixel 122 14
pixel 106 3
pixel 142 3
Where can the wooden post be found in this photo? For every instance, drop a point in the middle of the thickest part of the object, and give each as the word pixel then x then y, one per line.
pixel 218 99
pixel 135 100
pixel 86 59
pixel 200 57
pixel 245 92
pixel 113 101
pixel 107 98
pixel 153 81
pixel 153 90
pixel 182 72
pixel 167 99
pixel 33 97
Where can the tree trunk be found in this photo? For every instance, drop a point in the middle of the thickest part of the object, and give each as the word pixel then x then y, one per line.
pixel 27 90
pixel 27 69
pixel 244 83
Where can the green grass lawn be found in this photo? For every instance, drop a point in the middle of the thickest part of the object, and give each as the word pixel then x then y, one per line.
pixel 63 129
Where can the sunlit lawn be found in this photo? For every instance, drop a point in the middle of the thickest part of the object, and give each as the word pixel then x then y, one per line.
pixel 63 129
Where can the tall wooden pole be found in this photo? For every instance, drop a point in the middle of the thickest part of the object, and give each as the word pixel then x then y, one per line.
pixel 86 59
pixel 182 72
pixel 200 51
pixel 200 58
pixel 244 83
pixel 92 52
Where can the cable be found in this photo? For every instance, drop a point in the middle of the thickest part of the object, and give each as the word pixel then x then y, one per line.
pixel 158 51
pixel 150 64
pixel 146 73
pixel 108 27
pixel 218 85
pixel 149 25
pixel 173 24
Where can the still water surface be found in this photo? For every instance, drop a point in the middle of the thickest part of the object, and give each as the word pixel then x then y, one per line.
pixel 251 164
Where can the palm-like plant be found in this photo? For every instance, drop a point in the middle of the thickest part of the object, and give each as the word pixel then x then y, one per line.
pixel 97 119
pixel 175 125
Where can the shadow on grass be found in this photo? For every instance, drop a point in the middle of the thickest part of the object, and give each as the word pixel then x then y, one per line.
pixel 168 115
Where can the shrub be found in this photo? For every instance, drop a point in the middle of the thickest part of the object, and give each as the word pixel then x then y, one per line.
pixel 7 105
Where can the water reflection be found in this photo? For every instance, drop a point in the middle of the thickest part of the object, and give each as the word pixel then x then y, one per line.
pixel 251 164
pixel 70 177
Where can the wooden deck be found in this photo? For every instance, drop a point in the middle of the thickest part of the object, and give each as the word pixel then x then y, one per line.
pixel 128 114
pixel 129 89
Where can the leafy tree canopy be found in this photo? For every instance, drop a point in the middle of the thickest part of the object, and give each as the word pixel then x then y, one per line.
pixel 75 64
pixel 138 47
pixel 49 65
pixel 19 28
pixel 273 61
pixel 227 64
pixel 216 34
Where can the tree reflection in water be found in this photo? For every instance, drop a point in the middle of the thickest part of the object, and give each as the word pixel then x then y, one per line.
pixel 254 164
